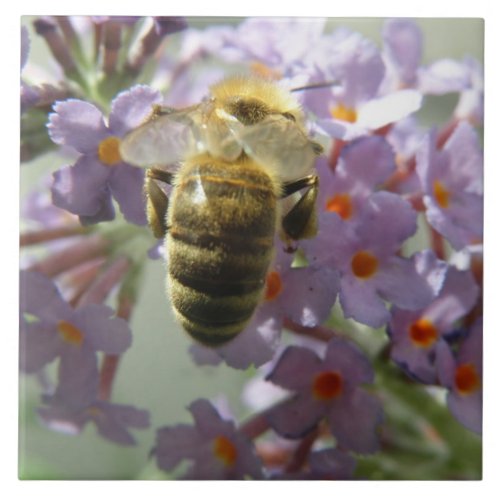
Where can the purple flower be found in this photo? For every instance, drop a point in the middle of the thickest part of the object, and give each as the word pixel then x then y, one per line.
pixel 213 446
pixel 470 104
pixel 364 253
pixel 51 328
pixel 444 76
pixel 452 180
pixel 327 388
pixel 354 106
pixel 305 295
pixel 362 166
pixel 415 334
pixel 277 44
pixel 402 51
pixel 99 174
pixel 37 206
pixel 462 375
pixel 111 420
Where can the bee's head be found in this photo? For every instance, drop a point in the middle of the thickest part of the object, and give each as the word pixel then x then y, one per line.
pixel 250 99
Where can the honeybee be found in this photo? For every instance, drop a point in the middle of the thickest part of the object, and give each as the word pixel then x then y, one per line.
pixel 242 151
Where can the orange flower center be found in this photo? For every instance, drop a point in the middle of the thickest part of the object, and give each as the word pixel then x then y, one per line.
pixel 441 194
pixel 341 204
pixel 364 264
pixel 466 378
pixel 274 285
pixel 327 385
pixel 423 333
pixel 225 450
pixel 70 333
pixel 109 151
pixel 345 113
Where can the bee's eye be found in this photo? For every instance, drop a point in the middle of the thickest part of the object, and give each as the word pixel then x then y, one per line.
pixel 289 116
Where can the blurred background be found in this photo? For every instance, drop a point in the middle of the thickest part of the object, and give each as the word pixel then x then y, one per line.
pixel 157 373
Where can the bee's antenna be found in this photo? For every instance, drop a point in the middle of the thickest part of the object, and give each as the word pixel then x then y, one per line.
pixel 314 86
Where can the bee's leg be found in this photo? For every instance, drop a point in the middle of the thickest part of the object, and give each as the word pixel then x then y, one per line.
pixel 301 221
pixel 157 200
pixel 160 175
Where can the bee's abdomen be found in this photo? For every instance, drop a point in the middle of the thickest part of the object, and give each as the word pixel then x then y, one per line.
pixel 221 222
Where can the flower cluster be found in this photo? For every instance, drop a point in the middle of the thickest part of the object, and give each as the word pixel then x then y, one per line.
pixel 387 293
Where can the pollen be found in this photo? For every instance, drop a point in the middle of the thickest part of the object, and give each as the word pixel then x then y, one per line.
pixel 109 151
pixel 441 194
pixel 423 333
pixel 341 204
pixel 274 285
pixel 364 264
pixel 70 333
pixel 344 113
pixel 327 385
pixel 467 379
pixel 225 450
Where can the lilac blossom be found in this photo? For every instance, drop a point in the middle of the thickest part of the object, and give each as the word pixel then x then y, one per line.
pixel 304 294
pixel 213 446
pixel 402 52
pixel 354 107
pixel 277 44
pixel 51 328
pixel 111 420
pixel 365 255
pixel 452 181
pixel 87 187
pixel 462 375
pixel 415 334
pixel 327 388
pixel 363 165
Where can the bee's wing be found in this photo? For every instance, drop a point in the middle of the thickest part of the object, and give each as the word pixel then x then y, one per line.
pixel 163 140
pixel 279 144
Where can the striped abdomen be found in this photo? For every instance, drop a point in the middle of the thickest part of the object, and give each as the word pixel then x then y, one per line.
pixel 222 220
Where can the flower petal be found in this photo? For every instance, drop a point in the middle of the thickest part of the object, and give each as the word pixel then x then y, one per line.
pixel 255 345
pixel 294 418
pixel 387 221
pixel 39 296
pixel 131 108
pixel 78 124
pixel 457 297
pixel 370 160
pixel 400 283
pixel 443 77
pixel 112 421
pixel 174 444
pixel 78 378
pixel 309 294
pixel 349 360
pixel 295 368
pixel 127 187
pixel 208 421
pixel 403 45
pixel 82 188
pixel 354 421
pixel 390 108
pixel 360 301
pixel 38 345
pixel 102 330
pixel 467 410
